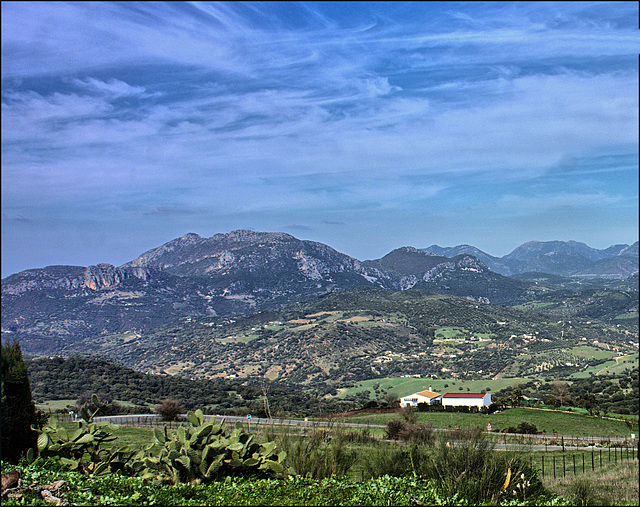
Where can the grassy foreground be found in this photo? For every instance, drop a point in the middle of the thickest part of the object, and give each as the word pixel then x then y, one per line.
pixel 118 490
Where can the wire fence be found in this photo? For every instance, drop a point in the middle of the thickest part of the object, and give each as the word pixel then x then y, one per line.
pixel 556 465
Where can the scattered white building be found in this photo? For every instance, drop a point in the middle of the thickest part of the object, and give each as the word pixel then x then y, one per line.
pixel 428 397
pixel 466 400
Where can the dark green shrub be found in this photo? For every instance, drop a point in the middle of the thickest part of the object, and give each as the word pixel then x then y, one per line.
pixel 394 429
pixel 18 409
pixel 387 459
pixel 527 428
pixel 422 434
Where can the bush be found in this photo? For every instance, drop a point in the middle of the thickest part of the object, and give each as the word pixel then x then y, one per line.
pixel 524 427
pixel 169 410
pixel 394 429
pixel 410 414
pixel 422 434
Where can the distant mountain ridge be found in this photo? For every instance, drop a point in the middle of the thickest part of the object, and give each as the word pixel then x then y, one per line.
pixel 241 272
pixel 565 258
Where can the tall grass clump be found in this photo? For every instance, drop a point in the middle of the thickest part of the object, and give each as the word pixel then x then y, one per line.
pixel 319 455
pixel 464 462
pixel 584 492
pixel 386 459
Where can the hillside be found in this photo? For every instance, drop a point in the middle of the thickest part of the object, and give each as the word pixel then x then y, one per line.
pixel 366 333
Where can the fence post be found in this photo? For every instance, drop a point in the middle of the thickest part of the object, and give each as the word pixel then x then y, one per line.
pixel 601 457
pixel 554 467
pixel 582 462
pixel 574 464
pixel 543 465
pixel 592 465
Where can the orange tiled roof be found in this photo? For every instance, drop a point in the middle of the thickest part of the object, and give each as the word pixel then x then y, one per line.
pixel 428 394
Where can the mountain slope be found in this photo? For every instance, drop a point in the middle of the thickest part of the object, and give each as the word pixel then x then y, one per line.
pixel 463 275
pixel 357 334
pixel 242 271
pixel 565 258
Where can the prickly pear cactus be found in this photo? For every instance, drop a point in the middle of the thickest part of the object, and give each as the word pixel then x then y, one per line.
pixel 84 449
pixel 206 450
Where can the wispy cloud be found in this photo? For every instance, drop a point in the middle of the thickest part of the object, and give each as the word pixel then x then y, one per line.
pixel 245 110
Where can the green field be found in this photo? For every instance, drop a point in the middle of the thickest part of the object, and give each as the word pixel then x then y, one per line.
pixel 403 386
pixel 565 423
pixel 53 405
pixel 617 365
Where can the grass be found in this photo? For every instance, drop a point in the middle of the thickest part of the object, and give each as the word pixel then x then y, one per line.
pixel 53 405
pixel 615 484
pixel 616 365
pixel 565 423
pixel 404 386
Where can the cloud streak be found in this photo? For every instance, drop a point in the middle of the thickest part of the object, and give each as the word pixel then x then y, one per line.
pixel 257 111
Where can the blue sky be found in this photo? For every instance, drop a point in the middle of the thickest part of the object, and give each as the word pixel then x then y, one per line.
pixel 366 126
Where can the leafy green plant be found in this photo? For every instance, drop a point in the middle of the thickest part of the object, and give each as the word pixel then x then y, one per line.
pixel 204 451
pixel 83 450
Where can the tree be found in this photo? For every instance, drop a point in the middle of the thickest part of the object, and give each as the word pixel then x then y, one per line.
pixel 169 410
pixel 391 398
pixel 560 390
pixel 589 402
pixel 18 409
pixel 516 397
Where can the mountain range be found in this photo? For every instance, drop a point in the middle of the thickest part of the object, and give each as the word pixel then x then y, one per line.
pixel 243 271
pixel 565 258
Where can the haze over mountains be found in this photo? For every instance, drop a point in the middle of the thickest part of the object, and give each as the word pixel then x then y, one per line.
pixel 246 271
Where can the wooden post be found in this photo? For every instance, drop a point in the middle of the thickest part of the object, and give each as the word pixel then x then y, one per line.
pixel 543 465
pixel 574 464
pixel 554 467
pixel 592 465
pixel 600 457
pixel 582 462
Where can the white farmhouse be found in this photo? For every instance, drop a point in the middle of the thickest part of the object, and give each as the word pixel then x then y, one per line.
pixel 428 397
pixel 466 400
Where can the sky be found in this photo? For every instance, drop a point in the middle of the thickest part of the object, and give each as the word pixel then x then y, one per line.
pixel 365 126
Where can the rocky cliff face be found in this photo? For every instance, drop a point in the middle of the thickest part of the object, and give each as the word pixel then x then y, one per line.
pixel 70 278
